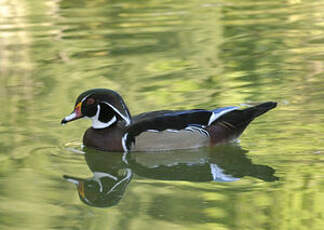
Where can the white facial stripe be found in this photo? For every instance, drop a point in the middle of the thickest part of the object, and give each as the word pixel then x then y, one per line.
pixel 127 119
pixel 96 124
pixel 113 120
pixel 83 99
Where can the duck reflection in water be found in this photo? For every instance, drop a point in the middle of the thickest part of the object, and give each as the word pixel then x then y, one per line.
pixel 112 172
pixel 222 163
pixel 111 176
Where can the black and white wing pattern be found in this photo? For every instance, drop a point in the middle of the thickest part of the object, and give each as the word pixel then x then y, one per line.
pixel 165 129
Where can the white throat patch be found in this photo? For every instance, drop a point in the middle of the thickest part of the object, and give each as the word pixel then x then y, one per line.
pixel 96 124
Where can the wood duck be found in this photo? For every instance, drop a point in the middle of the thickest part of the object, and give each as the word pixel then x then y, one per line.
pixel 113 128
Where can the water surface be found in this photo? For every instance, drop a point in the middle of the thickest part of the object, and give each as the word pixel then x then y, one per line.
pixel 162 55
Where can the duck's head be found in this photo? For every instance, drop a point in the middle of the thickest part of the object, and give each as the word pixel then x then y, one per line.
pixel 104 107
pixel 103 189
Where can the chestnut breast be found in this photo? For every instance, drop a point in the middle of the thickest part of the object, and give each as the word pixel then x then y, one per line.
pixel 107 139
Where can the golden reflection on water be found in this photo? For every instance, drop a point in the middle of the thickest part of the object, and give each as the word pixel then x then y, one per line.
pixel 162 55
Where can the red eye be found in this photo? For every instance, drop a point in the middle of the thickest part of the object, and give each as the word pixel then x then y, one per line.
pixel 91 101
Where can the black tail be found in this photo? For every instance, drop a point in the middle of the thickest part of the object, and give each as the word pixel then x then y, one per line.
pixel 260 109
pixel 238 120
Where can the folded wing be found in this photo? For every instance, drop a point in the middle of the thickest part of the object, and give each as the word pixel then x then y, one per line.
pixel 163 130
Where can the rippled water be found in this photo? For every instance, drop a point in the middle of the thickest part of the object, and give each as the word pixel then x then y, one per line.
pixel 162 55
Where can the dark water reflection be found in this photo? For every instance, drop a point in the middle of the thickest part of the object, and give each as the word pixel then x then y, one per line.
pixel 112 171
pixel 163 55
pixel 111 175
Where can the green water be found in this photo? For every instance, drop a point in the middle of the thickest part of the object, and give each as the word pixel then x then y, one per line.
pixel 163 55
